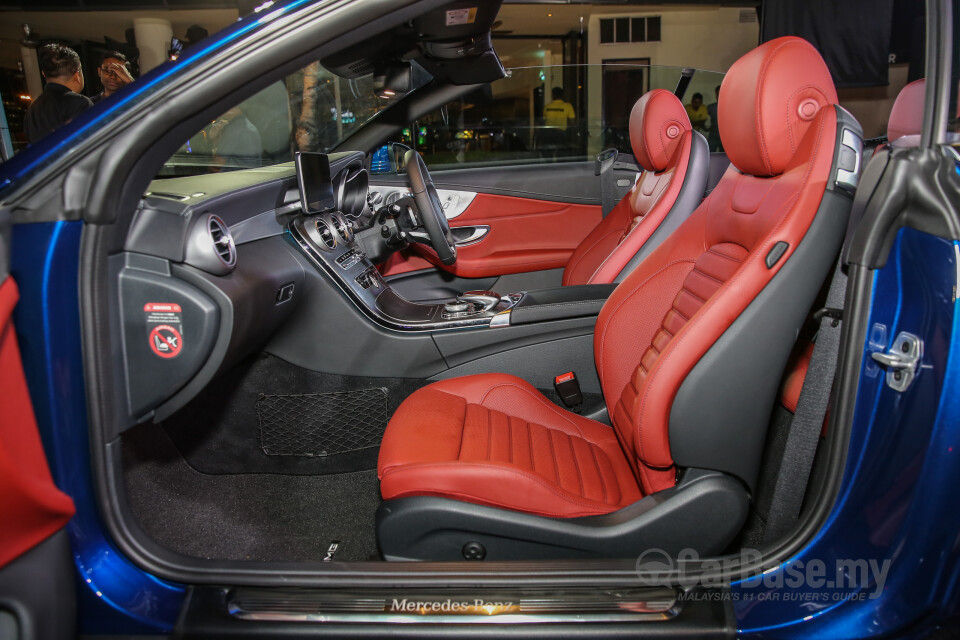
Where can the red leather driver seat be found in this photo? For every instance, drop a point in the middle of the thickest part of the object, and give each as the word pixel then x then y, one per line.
pixel 675 161
pixel 689 350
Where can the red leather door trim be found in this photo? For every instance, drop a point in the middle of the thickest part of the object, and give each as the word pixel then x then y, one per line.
pixel 525 235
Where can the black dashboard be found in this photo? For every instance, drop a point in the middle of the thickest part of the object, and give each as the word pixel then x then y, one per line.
pixel 214 265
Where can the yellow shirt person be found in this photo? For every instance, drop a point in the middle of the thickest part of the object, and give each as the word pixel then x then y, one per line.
pixel 558 113
pixel 697 112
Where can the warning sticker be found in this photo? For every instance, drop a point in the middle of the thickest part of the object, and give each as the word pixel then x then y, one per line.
pixel 164 328
pixel 166 341
pixel 461 16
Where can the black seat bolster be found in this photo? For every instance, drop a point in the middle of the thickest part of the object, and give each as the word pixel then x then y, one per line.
pixel 703 512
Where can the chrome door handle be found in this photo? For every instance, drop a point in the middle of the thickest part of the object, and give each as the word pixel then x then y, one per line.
pixel 473 235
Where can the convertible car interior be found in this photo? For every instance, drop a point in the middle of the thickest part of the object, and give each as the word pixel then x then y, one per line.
pixel 317 360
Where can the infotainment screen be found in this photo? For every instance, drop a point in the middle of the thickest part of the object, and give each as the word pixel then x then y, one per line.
pixel 316 189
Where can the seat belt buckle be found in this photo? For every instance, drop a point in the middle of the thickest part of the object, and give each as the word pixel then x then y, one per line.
pixel 568 388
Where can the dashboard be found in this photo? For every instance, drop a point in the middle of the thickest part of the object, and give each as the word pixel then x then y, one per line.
pixel 213 266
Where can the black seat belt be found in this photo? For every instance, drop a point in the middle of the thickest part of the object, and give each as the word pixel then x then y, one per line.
pixel 801 446
pixel 804 436
pixel 611 189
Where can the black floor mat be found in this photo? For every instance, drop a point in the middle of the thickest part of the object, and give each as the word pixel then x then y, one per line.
pixel 264 517
pixel 220 431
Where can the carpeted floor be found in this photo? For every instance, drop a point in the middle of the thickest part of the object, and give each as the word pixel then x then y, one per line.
pixel 265 517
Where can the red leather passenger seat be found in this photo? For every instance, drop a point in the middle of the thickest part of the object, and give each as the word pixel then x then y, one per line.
pixel 675 162
pixel 684 349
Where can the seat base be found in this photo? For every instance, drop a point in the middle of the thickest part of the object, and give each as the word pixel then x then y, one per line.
pixel 704 512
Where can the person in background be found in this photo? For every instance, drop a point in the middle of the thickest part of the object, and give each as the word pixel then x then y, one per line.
pixel 61 101
pixel 713 139
pixel 697 112
pixel 558 113
pixel 114 74
pixel 557 116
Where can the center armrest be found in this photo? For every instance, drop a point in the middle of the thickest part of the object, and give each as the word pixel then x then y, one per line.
pixel 561 302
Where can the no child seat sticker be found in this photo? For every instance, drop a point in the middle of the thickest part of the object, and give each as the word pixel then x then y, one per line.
pixel 164 328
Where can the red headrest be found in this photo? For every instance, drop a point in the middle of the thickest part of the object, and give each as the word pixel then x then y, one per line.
pixel 906 117
pixel 657 124
pixel 768 100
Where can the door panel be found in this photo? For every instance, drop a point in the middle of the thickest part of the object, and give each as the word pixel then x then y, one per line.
pixel 528 232
pixel 525 235
pixel 36 585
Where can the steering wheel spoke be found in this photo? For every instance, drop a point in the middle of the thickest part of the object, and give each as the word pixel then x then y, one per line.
pixel 429 210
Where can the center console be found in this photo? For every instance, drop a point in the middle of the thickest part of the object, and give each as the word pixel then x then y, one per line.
pixel 329 242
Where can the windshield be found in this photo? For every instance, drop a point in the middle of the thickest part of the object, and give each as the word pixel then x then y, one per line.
pixel 310 110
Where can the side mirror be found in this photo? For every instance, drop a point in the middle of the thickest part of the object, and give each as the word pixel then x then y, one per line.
pixel 389 158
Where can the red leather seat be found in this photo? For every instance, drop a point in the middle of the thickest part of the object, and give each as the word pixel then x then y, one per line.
pixel 684 349
pixel 906 116
pixel 493 439
pixel 674 159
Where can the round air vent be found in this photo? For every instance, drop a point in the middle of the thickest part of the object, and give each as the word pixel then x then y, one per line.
pixel 326 233
pixel 210 246
pixel 343 227
pixel 223 244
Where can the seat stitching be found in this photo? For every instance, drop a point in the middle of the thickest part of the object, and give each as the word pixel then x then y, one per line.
pixel 463 432
pixel 725 256
pixel 596 463
pixel 576 464
pixel 537 397
pixel 707 275
pixel 553 456
pixel 603 334
pixel 556 490
pixel 489 434
pixel 533 459
pixel 510 438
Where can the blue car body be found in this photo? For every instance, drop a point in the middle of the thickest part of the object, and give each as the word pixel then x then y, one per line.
pixel 896 502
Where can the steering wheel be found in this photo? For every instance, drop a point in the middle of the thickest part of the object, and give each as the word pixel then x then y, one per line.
pixel 431 211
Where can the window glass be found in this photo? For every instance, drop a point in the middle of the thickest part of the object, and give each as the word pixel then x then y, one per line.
pixel 549 114
pixel 310 110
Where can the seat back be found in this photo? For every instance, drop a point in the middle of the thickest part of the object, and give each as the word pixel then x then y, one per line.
pixel 690 347
pixel 675 161
pixel 906 116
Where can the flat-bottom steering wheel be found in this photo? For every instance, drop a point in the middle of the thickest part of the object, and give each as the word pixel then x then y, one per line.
pixel 431 211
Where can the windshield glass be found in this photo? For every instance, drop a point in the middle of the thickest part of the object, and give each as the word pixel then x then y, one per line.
pixel 310 110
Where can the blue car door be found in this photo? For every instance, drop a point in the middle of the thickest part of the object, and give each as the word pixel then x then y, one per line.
pixel 37 599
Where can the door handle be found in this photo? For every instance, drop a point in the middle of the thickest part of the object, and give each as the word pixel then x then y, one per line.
pixel 469 235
